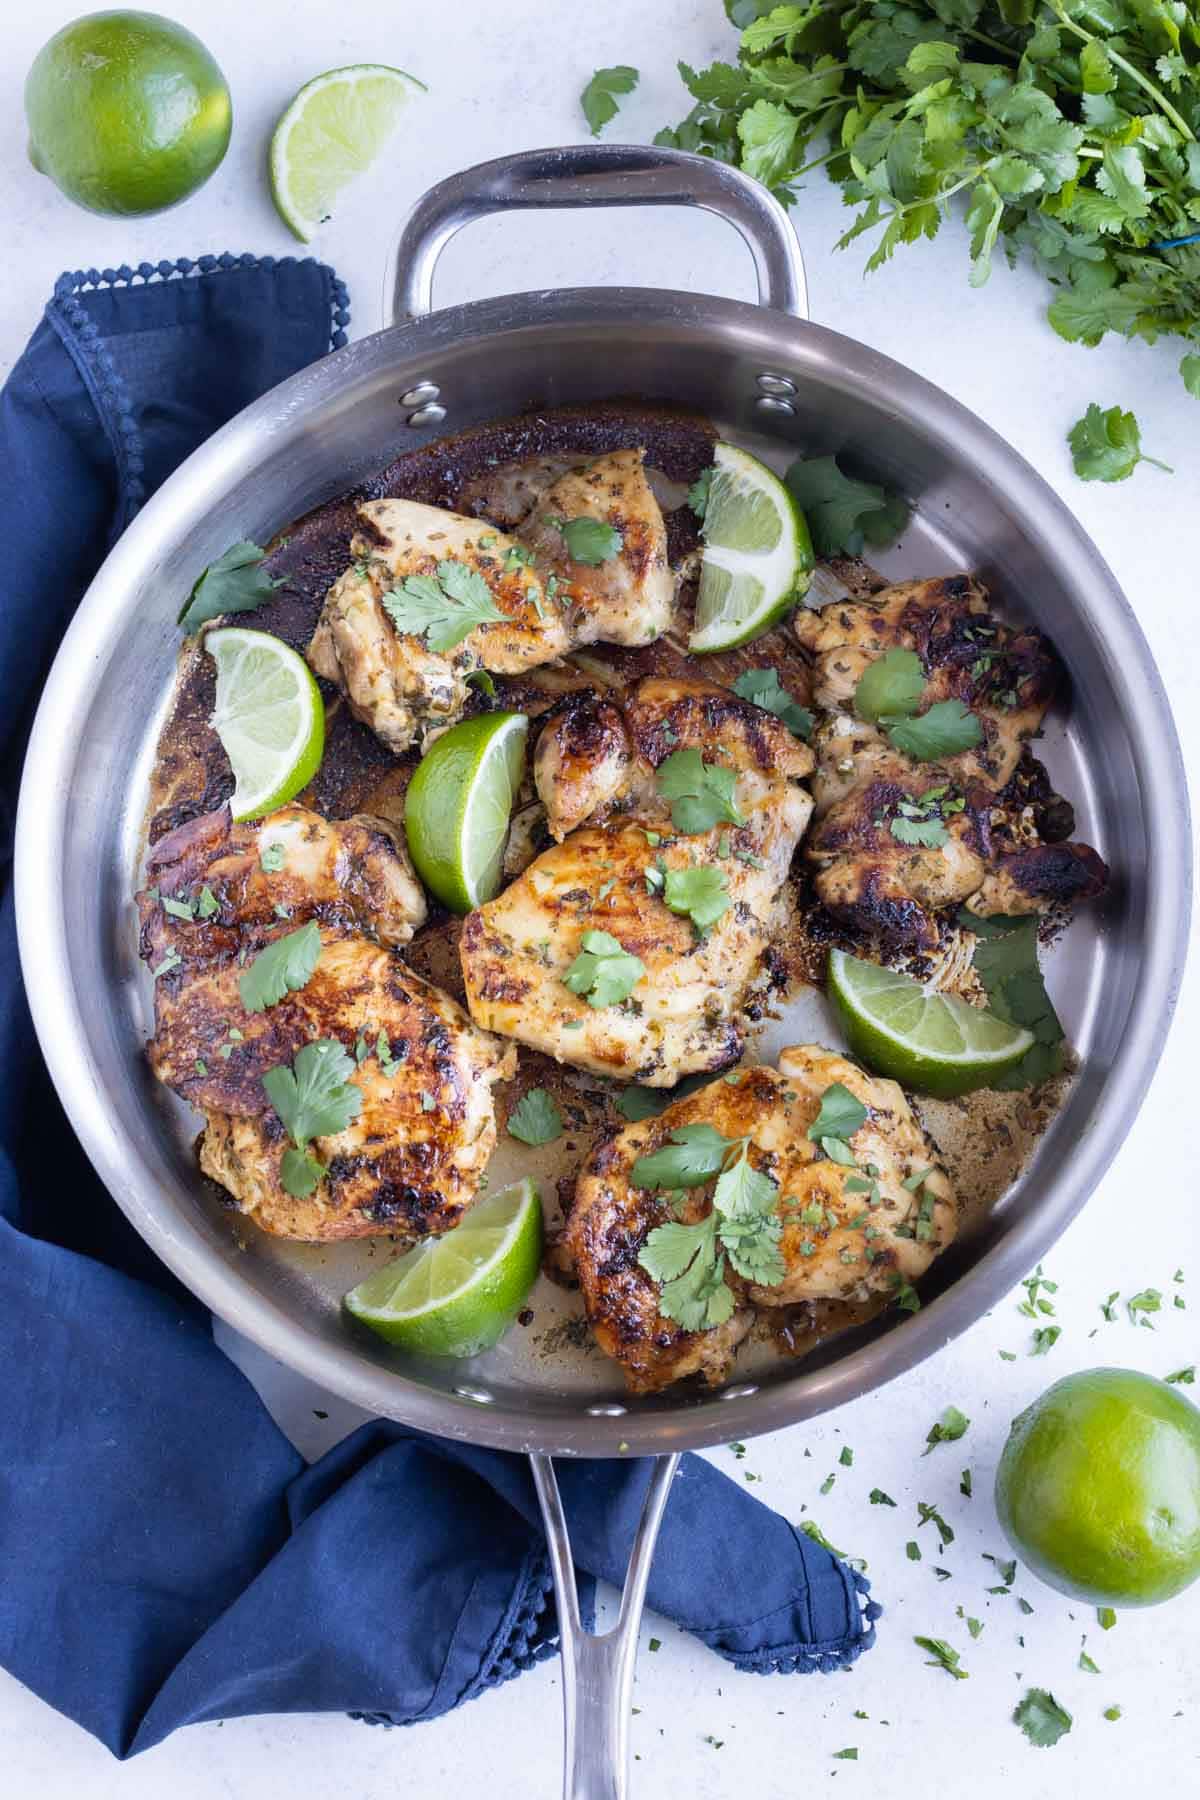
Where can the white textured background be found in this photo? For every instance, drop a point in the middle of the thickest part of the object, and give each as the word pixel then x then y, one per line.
pixel 506 76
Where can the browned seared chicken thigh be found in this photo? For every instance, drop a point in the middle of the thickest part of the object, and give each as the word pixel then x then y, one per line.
pixel 616 873
pixel 846 1233
pixel 551 590
pixel 868 871
pixel 411 1160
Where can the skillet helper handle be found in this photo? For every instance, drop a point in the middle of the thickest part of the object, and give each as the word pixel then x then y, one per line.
pixel 583 175
pixel 598 1668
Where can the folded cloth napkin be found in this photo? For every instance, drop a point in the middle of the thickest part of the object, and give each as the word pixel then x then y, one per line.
pixel 166 1555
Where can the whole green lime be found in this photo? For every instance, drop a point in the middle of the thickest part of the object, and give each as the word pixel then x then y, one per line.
pixel 1098 1488
pixel 127 112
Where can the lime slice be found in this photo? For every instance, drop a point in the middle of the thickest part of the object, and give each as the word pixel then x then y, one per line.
pixel 332 131
pixel 933 1042
pixel 458 1294
pixel 458 805
pixel 758 556
pixel 269 717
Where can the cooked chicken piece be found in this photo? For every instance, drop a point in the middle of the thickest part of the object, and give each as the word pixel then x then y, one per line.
pixel 392 680
pixel 411 1161
pixel 1008 678
pixel 582 763
pixel 550 600
pixel 626 598
pixel 872 801
pixel 294 864
pixel 686 1011
pixel 836 1243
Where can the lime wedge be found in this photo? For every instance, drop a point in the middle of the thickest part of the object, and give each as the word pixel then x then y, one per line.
pixel 458 1294
pixel 269 717
pixel 333 130
pixel 458 805
pixel 758 556
pixel 933 1042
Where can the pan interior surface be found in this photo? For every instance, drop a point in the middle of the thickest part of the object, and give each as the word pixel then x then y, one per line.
pixel 977 506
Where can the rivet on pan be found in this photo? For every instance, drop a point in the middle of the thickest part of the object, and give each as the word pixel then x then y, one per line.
pixel 743 1392
pixel 426 390
pixel 480 1396
pixel 776 384
pixel 767 403
pixel 433 414
pixel 608 1410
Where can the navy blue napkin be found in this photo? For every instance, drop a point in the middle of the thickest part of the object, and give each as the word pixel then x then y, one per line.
pixel 165 1554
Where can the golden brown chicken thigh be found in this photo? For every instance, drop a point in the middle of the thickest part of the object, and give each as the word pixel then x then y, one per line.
pixel 686 1010
pixel 870 867
pixel 551 592
pixel 845 1232
pixel 221 895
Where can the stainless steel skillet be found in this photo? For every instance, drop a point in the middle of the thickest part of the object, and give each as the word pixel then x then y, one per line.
pixel 777 384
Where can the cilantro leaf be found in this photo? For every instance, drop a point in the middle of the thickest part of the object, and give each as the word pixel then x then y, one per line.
pixel 943 1656
pixel 636 1103
pixel 535 1119
pixel 744 1192
pixel 843 514
pixel 1185 1377
pixel 282 968
pixel 877 1497
pixel 1041 1718
pixel 604 971
pixel 234 583
pixel 1107 446
pixel 314 1098
pixel 694 1154
pixel 698 492
pixel 443 609
pixel 768 134
pixel 669 1248
pixel 928 834
pixel 588 541
pixel 300 1173
pixel 952 1425
pixel 1189 369
pixel 840 1115
pixel 1006 961
pixel 701 894
pixel 701 794
pixel 891 685
pixel 762 687
pixel 944 730
pixel 599 97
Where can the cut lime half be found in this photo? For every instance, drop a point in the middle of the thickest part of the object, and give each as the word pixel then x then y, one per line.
pixel 458 806
pixel 925 1040
pixel 269 717
pixel 458 1294
pixel 758 556
pixel 332 131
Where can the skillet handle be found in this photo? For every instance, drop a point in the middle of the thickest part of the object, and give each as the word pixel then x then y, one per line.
pixel 582 175
pixel 598 1668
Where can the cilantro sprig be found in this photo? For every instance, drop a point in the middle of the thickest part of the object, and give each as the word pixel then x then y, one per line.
pixel 1107 445
pixel 762 687
pixel 701 793
pixel 599 98
pixel 604 972
pixel 535 1119
pixel 844 515
pixel 235 582
pixel 444 608
pixel 839 1116
pixel 588 541
pixel 284 967
pixel 1006 960
pixel 888 694
pixel 1070 132
pixel 314 1098
pixel 742 1228
pixel 700 894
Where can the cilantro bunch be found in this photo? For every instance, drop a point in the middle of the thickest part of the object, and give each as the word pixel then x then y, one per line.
pixel 1067 130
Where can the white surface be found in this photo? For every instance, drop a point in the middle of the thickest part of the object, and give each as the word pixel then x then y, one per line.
pixel 506 77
